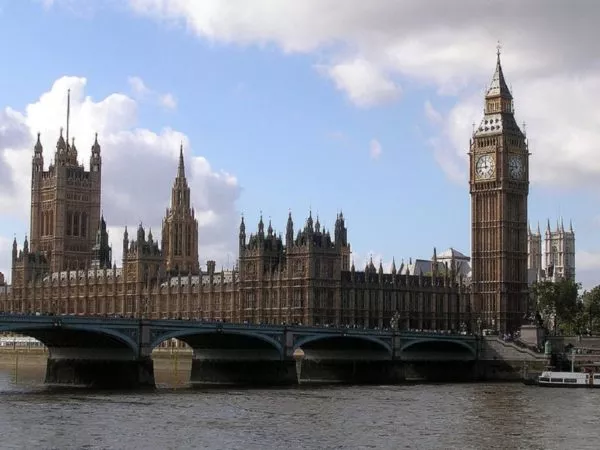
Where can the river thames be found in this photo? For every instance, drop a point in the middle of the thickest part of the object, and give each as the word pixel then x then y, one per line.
pixel 417 416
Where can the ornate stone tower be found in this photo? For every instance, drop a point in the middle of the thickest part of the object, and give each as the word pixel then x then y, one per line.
pixel 534 251
pixel 102 250
pixel 65 204
pixel 499 186
pixel 180 228
pixel 559 252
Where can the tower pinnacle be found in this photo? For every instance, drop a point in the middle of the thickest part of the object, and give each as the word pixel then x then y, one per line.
pixel 181 167
pixel 68 113
pixel 498 86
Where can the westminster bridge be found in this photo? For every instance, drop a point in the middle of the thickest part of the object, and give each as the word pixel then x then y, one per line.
pixel 117 352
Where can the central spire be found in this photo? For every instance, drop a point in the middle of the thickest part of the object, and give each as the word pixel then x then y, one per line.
pixel 68 113
pixel 181 167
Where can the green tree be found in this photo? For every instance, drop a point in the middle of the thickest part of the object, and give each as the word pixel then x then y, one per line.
pixel 591 309
pixel 558 303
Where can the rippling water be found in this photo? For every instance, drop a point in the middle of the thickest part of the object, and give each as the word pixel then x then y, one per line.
pixel 433 416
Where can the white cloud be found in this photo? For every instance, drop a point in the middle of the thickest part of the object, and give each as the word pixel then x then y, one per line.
pixel 138 86
pixel 370 48
pixel 563 128
pixel 131 158
pixel 432 114
pixel 5 249
pixel 141 90
pixel 375 149
pixel 168 101
pixel 363 82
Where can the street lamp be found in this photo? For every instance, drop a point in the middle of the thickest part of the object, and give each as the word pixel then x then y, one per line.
pixel 479 325
pixel 146 304
pixel 394 322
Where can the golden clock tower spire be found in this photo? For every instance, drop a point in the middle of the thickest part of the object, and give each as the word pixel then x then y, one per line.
pixel 499 186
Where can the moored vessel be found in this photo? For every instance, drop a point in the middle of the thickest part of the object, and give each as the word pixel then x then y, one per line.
pixel 550 378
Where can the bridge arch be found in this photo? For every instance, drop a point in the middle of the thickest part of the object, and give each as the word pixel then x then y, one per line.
pixel 427 344
pixel 191 333
pixel 52 334
pixel 343 336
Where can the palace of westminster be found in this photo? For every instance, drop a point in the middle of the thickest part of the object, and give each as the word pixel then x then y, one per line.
pixel 305 277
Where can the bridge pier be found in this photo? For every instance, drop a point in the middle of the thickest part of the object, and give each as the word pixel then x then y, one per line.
pixel 104 374
pixel 104 368
pixel 351 371
pixel 442 371
pixel 244 372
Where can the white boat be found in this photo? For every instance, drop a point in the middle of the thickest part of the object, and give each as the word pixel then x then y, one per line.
pixel 549 378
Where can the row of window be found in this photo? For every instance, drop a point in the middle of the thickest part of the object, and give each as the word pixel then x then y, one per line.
pixel 181 247
pixel 77 224
pixel 47 223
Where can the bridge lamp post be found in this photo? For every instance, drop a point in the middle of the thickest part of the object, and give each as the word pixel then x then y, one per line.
pixel 479 326
pixel 146 304
pixel 394 322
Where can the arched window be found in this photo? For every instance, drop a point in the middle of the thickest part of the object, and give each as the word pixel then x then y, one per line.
pixel 76 222
pixel 189 241
pixel 69 230
pixel 84 226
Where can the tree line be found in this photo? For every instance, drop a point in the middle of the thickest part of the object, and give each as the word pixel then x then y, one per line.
pixel 561 307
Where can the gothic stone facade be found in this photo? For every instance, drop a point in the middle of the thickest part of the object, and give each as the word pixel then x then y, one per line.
pixel 308 279
pixel 274 283
pixel 558 256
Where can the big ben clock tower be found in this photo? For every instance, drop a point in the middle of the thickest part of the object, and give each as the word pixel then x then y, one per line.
pixel 499 185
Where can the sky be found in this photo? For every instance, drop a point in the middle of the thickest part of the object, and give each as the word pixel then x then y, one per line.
pixel 302 106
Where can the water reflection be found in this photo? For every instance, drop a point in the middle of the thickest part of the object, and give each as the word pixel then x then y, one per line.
pixel 445 416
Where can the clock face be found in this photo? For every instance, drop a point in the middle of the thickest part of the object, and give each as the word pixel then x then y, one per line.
pixel 515 167
pixel 485 167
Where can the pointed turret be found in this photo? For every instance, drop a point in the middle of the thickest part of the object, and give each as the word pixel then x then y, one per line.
pixel 498 115
pixel 141 234
pixel 101 249
pixel 498 86
pixel 242 235
pixel 96 146
pixel 38 149
pixel 37 162
pixel 289 231
pixel 14 249
pixel 180 227
pixel 309 222
pixel 61 145
pixel 270 229
pixel 95 158
pixel 570 225
pixel 181 167
pixel 261 226
pixel 394 266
